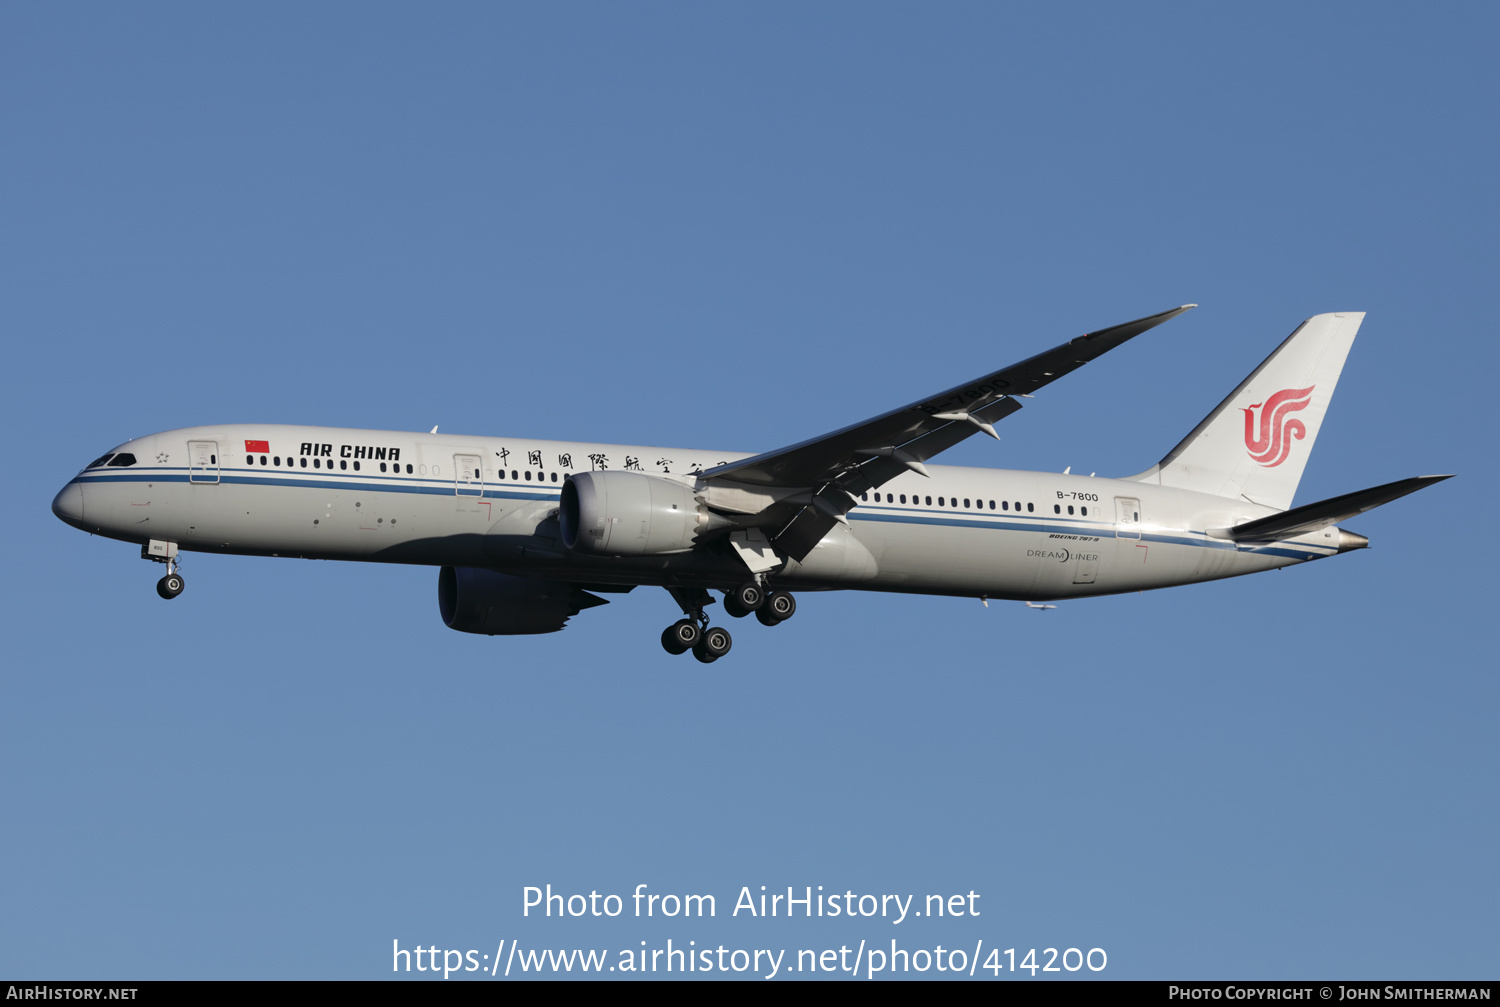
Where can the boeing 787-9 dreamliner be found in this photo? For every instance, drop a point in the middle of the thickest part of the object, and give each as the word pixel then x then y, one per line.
pixel 527 533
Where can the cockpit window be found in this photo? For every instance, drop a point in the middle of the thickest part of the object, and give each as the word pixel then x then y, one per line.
pixel 99 461
pixel 122 459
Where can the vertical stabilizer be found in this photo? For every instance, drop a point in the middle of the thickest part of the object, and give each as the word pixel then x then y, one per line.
pixel 1256 443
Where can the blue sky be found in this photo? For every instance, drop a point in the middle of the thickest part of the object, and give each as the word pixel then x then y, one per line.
pixel 736 228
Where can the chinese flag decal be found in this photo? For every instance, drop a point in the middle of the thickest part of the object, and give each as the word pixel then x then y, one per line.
pixel 252 447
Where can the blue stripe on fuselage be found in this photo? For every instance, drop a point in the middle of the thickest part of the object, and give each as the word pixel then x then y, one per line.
pixel 493 491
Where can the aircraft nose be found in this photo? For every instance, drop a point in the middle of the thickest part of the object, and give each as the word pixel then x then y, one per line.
pixel 68 504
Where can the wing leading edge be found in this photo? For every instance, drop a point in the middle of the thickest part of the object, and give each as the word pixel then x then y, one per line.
pixel 833 469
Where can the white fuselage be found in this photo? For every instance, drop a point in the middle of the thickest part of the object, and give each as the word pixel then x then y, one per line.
pixel 378 496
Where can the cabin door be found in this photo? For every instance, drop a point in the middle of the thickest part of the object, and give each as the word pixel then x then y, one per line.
pixel 1127 518
pixel 203 461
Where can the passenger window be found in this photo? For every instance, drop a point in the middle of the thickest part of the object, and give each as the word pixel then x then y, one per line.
pixel 502 473
pixel 929 501
pixel 528 475
pixel 1070 508
pixel 356 466
pixel 940 501
pixel 1085 511
pixel 1029 507
pixel 992 505
pixel 382 466
pixel 263 460
pixel 903 498
pixel 122 460
pixel 554 477
pixel 514 474
pixel 966 502
pixel 278 461
pixel 302 462
pixel 317 464
pixel 408 472
pixel 1057 508
pixel 343 465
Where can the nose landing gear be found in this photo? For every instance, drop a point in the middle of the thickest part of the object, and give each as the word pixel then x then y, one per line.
pixel 172 584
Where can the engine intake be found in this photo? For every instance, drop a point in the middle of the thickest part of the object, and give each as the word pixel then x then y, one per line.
pixel 630 514
pixel 474 600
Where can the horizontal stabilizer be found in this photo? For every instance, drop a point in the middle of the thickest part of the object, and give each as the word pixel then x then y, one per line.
pixel 1320 515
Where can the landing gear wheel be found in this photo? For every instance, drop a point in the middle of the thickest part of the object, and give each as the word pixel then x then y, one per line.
pixel 715 644
pixel 681 636
pixel 744 599
pixel 170 586
pixel 779 607
pixel 782 605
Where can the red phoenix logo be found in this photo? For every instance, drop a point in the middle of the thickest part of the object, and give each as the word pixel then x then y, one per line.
pixel 1273 443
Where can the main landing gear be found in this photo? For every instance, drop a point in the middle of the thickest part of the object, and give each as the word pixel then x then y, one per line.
pixel 709 643
pixel 769 607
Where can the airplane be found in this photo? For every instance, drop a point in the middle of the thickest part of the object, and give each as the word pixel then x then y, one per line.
pixel 528 533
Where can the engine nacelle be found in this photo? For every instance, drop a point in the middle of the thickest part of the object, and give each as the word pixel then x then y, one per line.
pixel 473 600
pixel 630 514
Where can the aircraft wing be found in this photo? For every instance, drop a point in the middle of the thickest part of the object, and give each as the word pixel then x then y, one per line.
pixel 822 458
pixel 850 461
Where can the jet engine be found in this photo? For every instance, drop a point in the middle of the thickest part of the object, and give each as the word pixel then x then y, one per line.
pixel 474 600
pixel 631 514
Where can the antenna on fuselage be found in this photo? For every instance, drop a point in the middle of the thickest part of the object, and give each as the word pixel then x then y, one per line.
pixel 433 430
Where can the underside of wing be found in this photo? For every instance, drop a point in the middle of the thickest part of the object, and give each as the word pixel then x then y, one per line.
pixel 816 481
